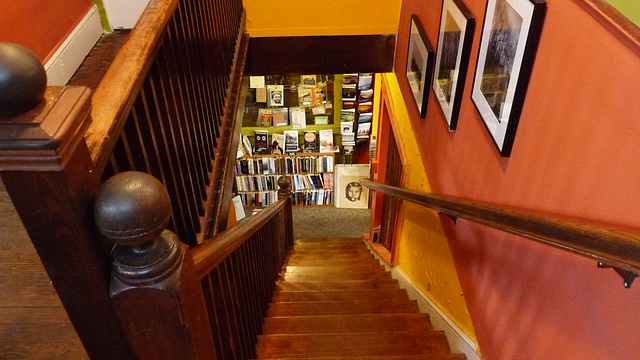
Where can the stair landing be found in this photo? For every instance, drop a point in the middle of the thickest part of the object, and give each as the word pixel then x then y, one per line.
pixel 334 301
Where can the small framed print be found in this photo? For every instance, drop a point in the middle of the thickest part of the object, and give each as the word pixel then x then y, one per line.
pixel 510 36
pixel 457 25
pixel 419 65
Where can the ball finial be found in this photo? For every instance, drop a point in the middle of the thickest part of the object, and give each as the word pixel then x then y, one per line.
pixel 132 209
pixel 23 79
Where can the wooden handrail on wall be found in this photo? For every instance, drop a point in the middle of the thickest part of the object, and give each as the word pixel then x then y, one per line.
pixel 617 248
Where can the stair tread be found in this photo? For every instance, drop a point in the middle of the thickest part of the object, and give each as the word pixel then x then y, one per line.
pixel 352 344
pixel 390 357
pixel 341 307
pixel 339 295
pixel 318 324
pixel 337 285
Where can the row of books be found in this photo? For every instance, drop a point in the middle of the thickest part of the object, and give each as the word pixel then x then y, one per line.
pixel 311 181
pixel 306 197
pixel 357 109
pixel 259 199
pixel 257 183
pixel 312 197
pixel 280 165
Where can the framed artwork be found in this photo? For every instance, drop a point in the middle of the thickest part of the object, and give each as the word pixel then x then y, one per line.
pixel 419 65
pixel 510 36
pixel 457 25
pixel 349 193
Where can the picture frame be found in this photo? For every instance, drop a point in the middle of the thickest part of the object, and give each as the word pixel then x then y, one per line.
pixel 455 39
pixel 349 193
pixel 420 60
pixel 510 36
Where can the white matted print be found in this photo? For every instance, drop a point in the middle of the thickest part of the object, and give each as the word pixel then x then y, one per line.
pixel 349 193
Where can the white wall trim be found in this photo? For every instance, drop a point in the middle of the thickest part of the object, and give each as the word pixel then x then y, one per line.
pixel 67 59
pixel 459 342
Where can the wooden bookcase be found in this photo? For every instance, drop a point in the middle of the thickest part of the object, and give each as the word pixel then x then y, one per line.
pixel 311 176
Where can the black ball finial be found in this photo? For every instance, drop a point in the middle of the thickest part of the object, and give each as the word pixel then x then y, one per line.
pixel 132 209
pixel 23 79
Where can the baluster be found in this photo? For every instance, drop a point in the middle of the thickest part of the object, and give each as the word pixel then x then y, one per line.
pixel 155 293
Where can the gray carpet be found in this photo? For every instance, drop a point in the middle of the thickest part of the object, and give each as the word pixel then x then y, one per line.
pixel 329 222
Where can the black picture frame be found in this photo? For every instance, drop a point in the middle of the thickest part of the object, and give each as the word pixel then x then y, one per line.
pixel 510 36
pixel 455 39
pixel 420 60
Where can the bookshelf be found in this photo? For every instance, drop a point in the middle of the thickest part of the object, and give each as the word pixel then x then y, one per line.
pixel 311 176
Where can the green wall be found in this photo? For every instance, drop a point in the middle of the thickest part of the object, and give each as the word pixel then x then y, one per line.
pixel 629 8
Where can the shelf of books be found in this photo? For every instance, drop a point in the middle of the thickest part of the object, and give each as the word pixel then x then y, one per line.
pixel 310 174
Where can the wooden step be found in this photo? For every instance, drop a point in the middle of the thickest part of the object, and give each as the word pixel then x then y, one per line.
pixel 355 344
pixel 320 276
pixel 327 324
pixel 324 241
pixel 341 307
pixel 334 262
pixel 337 285
pixel 344 295
pixel 391 357
pixel 346 268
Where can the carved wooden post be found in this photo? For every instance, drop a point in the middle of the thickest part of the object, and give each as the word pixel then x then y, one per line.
pixel 48 173
pixel 285 191
pixel 157 297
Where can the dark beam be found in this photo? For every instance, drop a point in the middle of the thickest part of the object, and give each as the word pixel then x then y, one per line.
pixel 320 54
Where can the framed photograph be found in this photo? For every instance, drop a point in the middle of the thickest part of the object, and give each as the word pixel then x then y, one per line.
pixel 510 36
pixel 457 25
pixel 349 192
pixel 419 65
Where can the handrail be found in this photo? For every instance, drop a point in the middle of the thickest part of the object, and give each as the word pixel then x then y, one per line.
pixel 115 95
pixel 614 247
pixel 210 253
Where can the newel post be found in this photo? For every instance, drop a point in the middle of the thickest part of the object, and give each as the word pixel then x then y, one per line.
pixel 48 173
pixel 157 298
pixel 287 219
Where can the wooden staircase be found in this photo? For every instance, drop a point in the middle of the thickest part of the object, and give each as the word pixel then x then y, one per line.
pixel 334 301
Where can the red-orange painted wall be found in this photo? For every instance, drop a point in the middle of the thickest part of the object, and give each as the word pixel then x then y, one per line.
pixel 41 26
pixel 577 153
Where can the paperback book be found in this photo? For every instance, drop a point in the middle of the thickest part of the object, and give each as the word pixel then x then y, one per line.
pixel 310 141
pixel 280 116
pixel 277 144
pixel 261 143
pixel 275 95
pixel 298 118
pixel 291 141
pixel 264 117
pixel 326 141
pixel 321 120
pixel 365 117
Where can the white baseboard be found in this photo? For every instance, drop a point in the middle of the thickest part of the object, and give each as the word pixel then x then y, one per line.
pixel 66 60
pixel 459 342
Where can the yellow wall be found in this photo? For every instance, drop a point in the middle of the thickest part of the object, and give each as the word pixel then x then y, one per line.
pixel 422 249
pixel 322 17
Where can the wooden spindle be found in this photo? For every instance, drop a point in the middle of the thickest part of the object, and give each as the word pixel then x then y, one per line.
pixel 156 296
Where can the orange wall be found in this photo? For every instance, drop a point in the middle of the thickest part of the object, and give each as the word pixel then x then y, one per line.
pixel 41 26
pixel 576 153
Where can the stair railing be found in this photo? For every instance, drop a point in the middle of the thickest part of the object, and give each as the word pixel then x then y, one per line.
pixel 609 246
pixel 168 106
pixel 172 302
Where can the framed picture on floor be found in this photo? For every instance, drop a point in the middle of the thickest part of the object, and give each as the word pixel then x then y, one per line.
pixel 349 193
pixel 457 25
pixel 510 36
pixel 420 60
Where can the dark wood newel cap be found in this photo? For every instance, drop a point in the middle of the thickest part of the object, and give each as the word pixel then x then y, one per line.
pixel 132 209
pixel 23 79
pixel 284 183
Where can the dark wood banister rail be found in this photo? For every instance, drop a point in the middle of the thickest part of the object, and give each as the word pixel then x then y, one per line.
pixel 209 254
pixel 618 248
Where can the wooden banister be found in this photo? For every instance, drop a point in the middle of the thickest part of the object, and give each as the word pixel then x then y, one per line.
pixel 615 247
pixel 210 254
pixel 114 97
